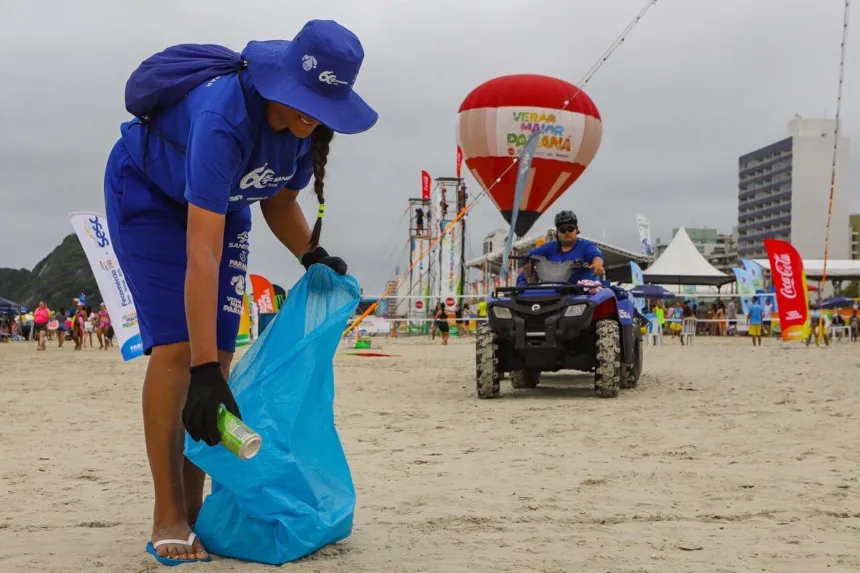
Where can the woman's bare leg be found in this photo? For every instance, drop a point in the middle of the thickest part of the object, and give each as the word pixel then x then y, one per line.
pixel 164 392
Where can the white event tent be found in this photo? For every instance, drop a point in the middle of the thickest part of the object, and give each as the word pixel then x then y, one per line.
pixel 682 264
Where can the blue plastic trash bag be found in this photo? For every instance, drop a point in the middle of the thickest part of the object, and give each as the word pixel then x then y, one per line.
pixel 296 495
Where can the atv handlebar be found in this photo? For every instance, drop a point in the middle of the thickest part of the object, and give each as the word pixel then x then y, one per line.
pixel 574 265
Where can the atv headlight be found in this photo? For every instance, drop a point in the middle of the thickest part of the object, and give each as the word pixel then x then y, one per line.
pixel 574 310
pixel 501 312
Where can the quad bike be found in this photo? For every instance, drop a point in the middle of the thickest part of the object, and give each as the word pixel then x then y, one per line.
pixel 553 325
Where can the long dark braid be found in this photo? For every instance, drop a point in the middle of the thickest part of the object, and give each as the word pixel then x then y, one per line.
pixel 322 137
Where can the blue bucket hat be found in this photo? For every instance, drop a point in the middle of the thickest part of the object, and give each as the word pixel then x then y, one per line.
pixel 314 75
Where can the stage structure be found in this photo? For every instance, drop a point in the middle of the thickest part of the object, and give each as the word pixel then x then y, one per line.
pixel 422 232
pixel 452 248
pixel 437 274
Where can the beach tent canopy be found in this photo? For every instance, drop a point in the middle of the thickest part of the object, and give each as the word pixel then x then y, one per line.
pixel 651 292
pixel 682 263
pixel 837 270
pixel 9 307
pixel 835 302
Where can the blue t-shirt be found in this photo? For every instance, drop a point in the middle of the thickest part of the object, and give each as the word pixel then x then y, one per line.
pixel 232 157
pixel 583 250
pixel 755 313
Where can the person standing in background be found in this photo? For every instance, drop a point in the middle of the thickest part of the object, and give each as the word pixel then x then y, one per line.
pixel 104 328
pixel 90 325
pixel 79 322
pixel 754 321
pixel 732 317
pixel 62 329
pixel 41 316
pixel 767 315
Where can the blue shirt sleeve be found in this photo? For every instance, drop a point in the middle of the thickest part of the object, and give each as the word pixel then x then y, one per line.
pixel 522 280
pixel 591 253
pixel 304 168
pixel 213 161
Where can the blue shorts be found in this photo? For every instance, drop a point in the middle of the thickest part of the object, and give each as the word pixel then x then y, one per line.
pixel 148 231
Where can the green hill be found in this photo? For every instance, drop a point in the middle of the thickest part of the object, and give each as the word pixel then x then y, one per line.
pixel 56 279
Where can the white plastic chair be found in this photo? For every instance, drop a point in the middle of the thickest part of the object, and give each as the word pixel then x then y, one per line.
pixel 655 332
pixel 688 331
pixel 840 331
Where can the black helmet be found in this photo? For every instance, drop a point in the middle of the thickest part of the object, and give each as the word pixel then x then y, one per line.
pixel 565 218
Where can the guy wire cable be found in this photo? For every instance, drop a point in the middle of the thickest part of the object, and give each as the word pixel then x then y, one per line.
pixel 836 133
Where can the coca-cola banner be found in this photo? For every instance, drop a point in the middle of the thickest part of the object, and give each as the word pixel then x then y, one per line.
pixel 425 186
pixel 459 162
pixel 789 282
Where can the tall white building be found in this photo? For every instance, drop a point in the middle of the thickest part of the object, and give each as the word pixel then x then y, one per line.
pixel 494 241
pixel 854 231
pixel 784 190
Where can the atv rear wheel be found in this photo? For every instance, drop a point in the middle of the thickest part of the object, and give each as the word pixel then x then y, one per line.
pixel 486 363
pixel 630 373
pixel 524 379
pixel 607 375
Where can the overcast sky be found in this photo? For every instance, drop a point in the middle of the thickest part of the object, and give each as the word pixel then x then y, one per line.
pixel 696 84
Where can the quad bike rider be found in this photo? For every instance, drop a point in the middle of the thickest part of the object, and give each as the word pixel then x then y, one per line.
pixel 568 247
pixel 559 317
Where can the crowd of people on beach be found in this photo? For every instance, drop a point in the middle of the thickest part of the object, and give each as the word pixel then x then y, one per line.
pixel 721 318
pixel 760 320
pixel 77 325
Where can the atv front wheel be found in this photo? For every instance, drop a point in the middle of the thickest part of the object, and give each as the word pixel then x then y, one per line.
pixel 486 363
pixel 630 373
pixel 607 375
pixel 524 379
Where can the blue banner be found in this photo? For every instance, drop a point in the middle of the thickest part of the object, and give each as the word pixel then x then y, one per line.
pixel 637 279
pixel 755 272
pixel 745 287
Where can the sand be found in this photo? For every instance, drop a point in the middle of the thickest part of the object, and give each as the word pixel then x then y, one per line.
pixel 726 458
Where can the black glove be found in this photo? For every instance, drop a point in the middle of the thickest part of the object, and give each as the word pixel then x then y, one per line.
pixel 206 392
pixel 321 256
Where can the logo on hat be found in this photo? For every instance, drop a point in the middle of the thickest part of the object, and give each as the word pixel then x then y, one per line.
pixel 328 77
pixel 313 73
pixel 308 62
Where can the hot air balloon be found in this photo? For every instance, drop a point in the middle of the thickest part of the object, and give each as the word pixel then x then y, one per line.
pixel 497 118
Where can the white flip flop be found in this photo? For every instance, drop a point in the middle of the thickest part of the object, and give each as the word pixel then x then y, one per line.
pixel 151 549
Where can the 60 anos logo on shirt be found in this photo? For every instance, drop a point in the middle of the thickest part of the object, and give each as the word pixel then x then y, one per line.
pixel 263 177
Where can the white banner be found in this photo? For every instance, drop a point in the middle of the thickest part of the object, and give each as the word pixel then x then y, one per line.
pixel 647 246
pixel 93 234
pixel 420 277
pixel 449 269
pixel 374 325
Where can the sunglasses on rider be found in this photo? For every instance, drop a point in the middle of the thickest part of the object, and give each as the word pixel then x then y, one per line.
pixel 567 229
